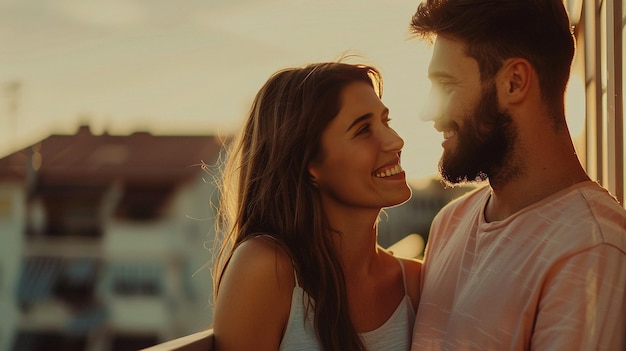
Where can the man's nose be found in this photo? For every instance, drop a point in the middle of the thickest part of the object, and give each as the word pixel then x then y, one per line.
pixel 432 108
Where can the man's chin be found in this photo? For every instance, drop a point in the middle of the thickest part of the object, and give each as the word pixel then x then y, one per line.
pixel 449 178
pixel 454 175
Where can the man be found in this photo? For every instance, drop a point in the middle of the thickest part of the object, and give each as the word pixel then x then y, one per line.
pixel 535 260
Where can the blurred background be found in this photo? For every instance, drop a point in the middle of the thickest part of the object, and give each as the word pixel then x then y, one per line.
pixel 112 120
pixel 108 111
pixel 192 66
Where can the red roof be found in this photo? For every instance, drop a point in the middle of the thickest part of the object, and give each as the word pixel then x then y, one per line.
pixel 139 157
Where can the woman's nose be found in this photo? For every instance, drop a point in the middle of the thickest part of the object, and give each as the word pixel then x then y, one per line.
pixel 393 141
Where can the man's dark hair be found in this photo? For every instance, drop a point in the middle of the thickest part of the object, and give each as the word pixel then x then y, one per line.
pixel 494 30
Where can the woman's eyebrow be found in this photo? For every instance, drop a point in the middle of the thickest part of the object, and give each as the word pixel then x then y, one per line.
pixel 359 120
pixel 365 117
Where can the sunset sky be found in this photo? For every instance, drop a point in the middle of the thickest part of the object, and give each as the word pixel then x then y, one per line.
pixel 193 66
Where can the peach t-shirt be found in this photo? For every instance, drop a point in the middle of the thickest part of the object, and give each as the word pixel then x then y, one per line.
pixel 550 277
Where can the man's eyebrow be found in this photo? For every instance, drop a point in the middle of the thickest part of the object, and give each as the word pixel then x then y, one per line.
pixel 439 74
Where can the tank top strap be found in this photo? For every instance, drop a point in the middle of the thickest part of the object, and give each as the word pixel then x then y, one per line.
pixel 295 275
pixel 403 274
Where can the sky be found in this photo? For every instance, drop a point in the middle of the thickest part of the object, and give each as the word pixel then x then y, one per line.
pixel 193 66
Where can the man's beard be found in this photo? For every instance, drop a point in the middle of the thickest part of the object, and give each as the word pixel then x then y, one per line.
pixel 485 146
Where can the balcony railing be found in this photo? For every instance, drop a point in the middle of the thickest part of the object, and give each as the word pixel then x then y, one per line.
pixel 201 341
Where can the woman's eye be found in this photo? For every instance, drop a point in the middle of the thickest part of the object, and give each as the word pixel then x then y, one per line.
pixel 387 121
pixel 364 129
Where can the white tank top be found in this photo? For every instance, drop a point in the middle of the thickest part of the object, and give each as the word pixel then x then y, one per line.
pixel 394 335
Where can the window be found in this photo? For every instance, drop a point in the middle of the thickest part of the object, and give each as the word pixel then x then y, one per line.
pixel 601 42
pixel 76 283
pixel 44 341
pixel 137 279
pixel 72 281
pixel 143 202
pixel 72 210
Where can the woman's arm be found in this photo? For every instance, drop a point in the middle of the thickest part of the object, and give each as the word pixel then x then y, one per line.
pixel 254 298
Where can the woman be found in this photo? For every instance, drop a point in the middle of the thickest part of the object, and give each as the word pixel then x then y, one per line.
pixel 306 180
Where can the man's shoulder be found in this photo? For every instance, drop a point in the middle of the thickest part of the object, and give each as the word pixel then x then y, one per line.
pixel 581 218
pixel 601 201
pixel 608 215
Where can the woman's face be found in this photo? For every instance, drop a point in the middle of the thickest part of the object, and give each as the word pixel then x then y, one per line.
pixel 359 161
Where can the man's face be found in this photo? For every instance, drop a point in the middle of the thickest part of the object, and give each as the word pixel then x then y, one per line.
pixel 478 137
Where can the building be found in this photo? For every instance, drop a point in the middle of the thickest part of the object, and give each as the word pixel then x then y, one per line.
pixel 101 237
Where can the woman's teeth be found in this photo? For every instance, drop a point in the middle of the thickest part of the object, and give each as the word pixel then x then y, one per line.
pixel 388 173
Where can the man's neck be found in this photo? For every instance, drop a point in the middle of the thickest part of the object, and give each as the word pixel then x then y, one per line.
pixel 542 176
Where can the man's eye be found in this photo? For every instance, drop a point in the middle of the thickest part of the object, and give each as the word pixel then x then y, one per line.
pixel 445 85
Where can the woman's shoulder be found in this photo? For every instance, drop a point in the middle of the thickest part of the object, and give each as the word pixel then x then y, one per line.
pixel 263 258
pixel 412 269
pixel 412 266
pixel 254 297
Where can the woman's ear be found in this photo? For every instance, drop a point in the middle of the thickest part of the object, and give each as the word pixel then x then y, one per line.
pixel 313 173
pixel 514 81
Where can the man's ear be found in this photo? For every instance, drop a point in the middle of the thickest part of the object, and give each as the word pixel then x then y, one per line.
pixel 514 81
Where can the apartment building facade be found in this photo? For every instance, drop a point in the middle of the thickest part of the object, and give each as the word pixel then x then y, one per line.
pixel 103 237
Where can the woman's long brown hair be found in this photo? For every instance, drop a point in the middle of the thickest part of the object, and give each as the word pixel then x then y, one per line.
pixel 267 189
